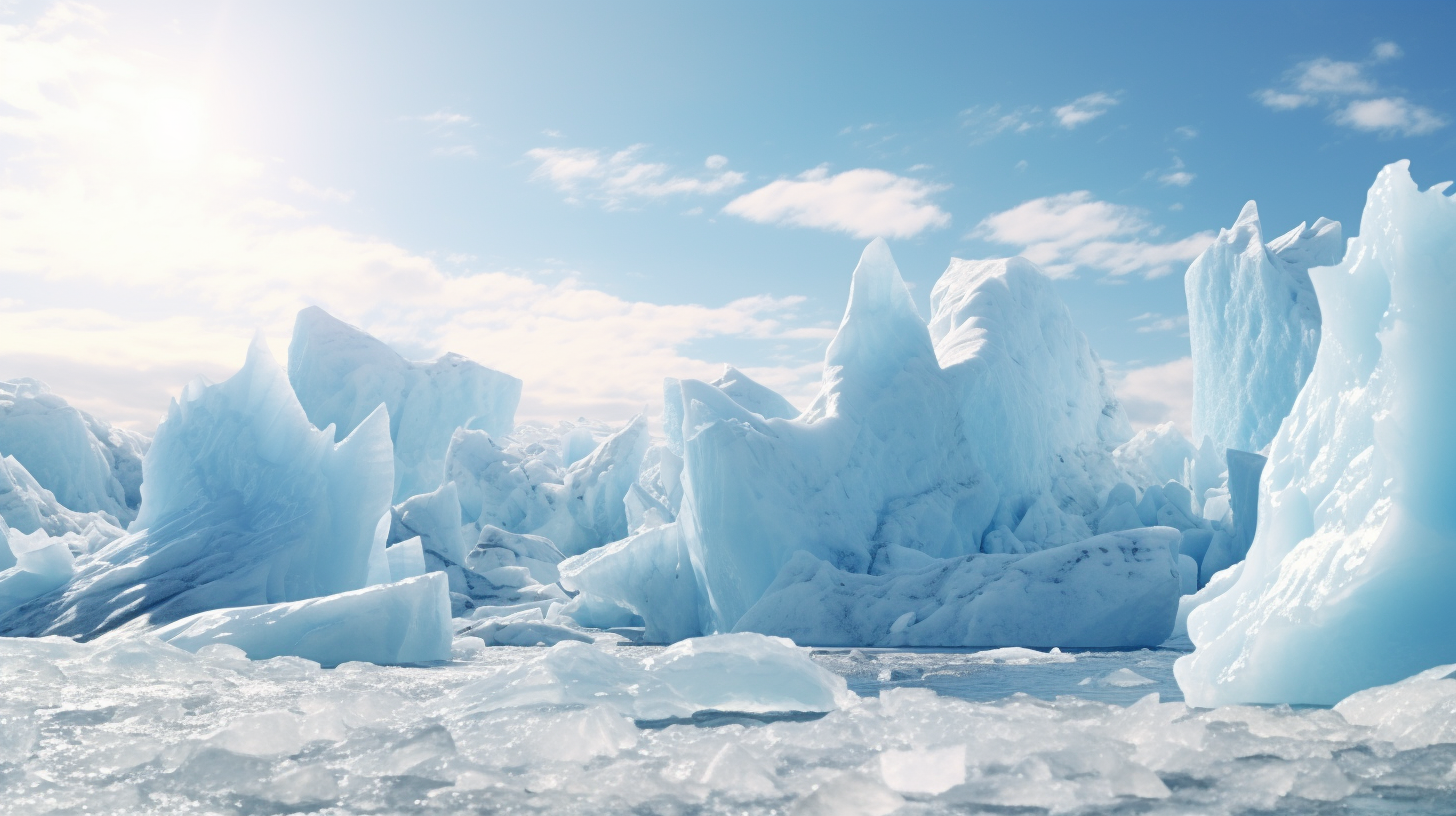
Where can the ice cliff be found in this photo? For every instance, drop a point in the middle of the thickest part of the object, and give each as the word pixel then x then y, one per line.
pixel 1254 325
pixel 342 374
pixel 243 503
pixel 989 430
pixel 1348 581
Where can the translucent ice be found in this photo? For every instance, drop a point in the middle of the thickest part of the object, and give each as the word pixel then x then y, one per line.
pixel 1254 324
pixel 86 464
pixel 243 503
pixel 342 374
pixel 389 624
pixel 757 398
pixel 1348 582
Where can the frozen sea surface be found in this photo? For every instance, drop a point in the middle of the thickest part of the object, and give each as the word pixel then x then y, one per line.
pixel 140 727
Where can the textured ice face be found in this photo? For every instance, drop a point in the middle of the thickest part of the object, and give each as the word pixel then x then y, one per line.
pixel 342 374
pixel 244 503
pixel 915 442
pixel 1348 582
pixel 1254 325
pixel 86 464
pixel 134 726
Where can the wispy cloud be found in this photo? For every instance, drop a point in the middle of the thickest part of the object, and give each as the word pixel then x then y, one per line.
pixel 1071 231
pixel 1187 132
pixel 302 187
pixel 616 179
pixel 1175 175
pixel 863 202
pixel 1084 109
pixel 1149 322
pixel 1356 99
pixel 448 129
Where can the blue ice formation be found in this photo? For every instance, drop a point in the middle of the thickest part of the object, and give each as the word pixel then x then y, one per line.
pixel 1348 582
pixel 991 430
pixel 243 503
pixel 390 624
pixel 1254 325
pixel 342 374
pixel 753 395
pixel 87 465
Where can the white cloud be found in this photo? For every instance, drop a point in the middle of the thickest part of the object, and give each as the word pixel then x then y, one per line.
pixel 1327 76
pixel 1385 51
pixel 1155 394
pixel 1084 109
pixel 1021 165
pixel 302 187
pixel 617 178
pixel 1154 322
pixel 987 121
pixel 136 279
pixel 715 162
pixel 1187 132
pixel 1391 116
pixel 865 203
pixel 1065 232
pixel 1177 175
pixel 1355 98
pixel 459 151
pixel 1281 101
pixel 447 128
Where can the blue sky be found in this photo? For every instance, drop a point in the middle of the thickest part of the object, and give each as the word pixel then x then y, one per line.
pixel 595 196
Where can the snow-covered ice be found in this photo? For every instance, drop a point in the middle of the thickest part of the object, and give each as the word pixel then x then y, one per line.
pixel 1254 325
pixel 341 374
pixel 1348 582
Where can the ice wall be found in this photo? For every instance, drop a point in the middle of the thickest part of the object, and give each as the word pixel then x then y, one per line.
pixel 1348 582
pixel 754 396
pixel 86 464
pixel 911 445
pixel 1254 325
pixel 243 503
pixel 341 374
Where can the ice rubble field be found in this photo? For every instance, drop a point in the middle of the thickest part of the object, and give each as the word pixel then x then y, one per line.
pixel 135 726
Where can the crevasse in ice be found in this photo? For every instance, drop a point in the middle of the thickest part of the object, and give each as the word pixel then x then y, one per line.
pixel 1254 325
pixel 1348 582
pixel 243 503
pixel 342 374
pixel 992 429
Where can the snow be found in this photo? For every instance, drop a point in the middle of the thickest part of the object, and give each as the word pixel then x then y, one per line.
pixel 390 624
pixel 341 374
pixel 757 398
pixel 139 726
pixel 86 464
pixel 243 503
pixel 1254 325
pixel 920 439
pixel 1347 584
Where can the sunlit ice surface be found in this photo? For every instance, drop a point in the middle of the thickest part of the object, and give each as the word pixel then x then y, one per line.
pixel 139 727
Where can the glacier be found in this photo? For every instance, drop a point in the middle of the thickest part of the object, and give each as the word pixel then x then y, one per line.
pixel 1254 325
pixel 243 502
pixel 1347 583
pixel 1010 450
pixel 341 375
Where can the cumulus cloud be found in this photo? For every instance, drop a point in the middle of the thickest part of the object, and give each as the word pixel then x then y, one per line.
pixel 1391 116
pixel 1070 231
pixel 1152 395
pixel 864 203
pixel 1084 109
pixel 616 179
pixel 1355 98
pixel 125 278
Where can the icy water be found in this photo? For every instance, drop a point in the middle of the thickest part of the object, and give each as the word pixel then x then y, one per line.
pixel 136 727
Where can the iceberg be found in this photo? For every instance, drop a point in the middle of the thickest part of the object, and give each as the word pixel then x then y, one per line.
pixel 27 507
pixel 1348 582
pixel 750 394
pixel 244 503
pixel 1254 325
pixel 992 429
pixel 341 374
pixel 1114 591
pixel 390 624
pixel 87 465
